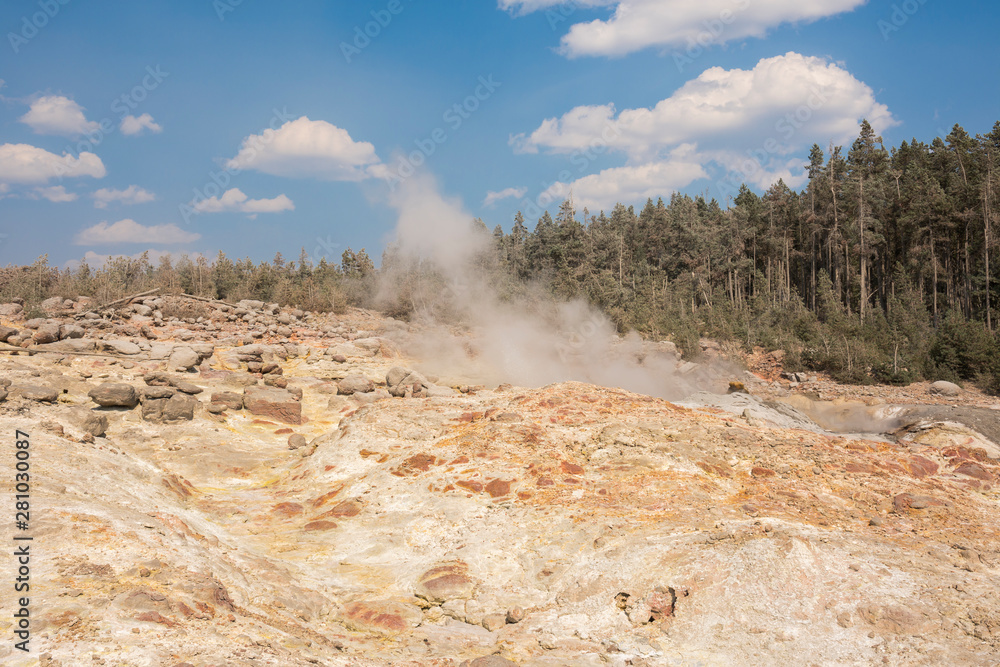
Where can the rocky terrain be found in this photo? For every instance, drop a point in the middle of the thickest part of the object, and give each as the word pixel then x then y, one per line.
pixel 238 484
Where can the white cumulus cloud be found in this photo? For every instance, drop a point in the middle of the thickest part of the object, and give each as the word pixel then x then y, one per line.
pixel 133 194
pixel 55 193
pixel 754 125
pixel 130 231
pixel 305 148
pixel 55 114
pixel 132 125
pixel 235 200
pixel 23 163
pixel 639 24
pixel 507 193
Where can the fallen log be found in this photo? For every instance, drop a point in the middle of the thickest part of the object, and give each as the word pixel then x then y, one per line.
pixel 119 301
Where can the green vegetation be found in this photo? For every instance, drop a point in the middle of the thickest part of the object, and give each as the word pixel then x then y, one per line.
pixel 883 269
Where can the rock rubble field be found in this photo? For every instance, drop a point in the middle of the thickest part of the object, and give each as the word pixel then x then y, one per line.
pixel 242 484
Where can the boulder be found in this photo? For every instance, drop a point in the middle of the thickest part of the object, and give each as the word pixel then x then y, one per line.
pixel 273 403
pixel 354 384
pixel 11 310
pixel 37 392
pixel 115 395
pixel 187 387
pixel 183 358
pixel 157 391
pixel 160 351
pixel 942 388
pixel 52 305
pixel 67 331
pixel 7 332
pixel 445 581
pixel 399 379
pixel 71 345
pixel 46 333
pixel 230 399
pixel 93 423
pixel 122 347
pixel 165 410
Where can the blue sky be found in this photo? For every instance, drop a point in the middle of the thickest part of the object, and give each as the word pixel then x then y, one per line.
pixel 192 126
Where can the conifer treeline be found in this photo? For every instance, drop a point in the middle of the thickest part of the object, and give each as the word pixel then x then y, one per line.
pixel 917 217
pixel 883 268
pixel 872 255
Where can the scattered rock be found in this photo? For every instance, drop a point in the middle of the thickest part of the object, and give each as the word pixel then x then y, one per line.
pixel 230 399
pixel 446 581
pixel 183 358
pixel 942 388
pixel 354 384
pixel 122 347
pixel 277 404
pixel 36 392
pixel 93 423
pixel 165 410
pixel 46 333
pixel 115 395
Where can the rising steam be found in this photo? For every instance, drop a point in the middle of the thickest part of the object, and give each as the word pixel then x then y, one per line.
pixel 465 330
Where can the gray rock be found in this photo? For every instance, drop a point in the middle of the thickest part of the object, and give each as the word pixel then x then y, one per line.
pixel 215 408
pixel 399 379
pixel 942 388
pixel 164 410
pixel 273 403
pixel 93 423
pixel 72 345
pixel 230 399
pixel 354 384
pixel 34 323
pixel 142 309
pixel 53 304
pixel 115 395
pixel 203 350
pixel 156 392
pixel 67 331
pixel 296 441
pixel 183 358
pixel 439 391
pixel 187 387
pixel 36 392
pixel 11 310
pixel 7 332
pixel 46 333
pixel 122 347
